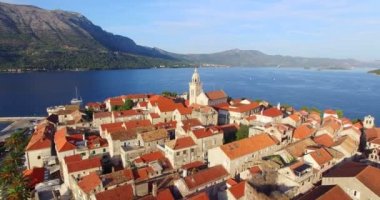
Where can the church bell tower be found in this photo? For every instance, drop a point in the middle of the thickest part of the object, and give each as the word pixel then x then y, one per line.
pixel 195 87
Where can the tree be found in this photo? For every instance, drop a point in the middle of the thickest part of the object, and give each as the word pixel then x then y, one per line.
pixel 363 142
pixel 128 104
pixel 339 113
pixel 242 132
pixel 169 94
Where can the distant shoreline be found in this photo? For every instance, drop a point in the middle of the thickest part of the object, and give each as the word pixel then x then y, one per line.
pixel 19 70
pixel 376 72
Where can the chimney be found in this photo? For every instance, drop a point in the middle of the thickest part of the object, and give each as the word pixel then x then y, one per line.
pixel 154 189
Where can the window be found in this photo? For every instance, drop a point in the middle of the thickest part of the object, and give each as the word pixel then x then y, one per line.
pixel 177 153
pixel 38 157
pixel 93 152
pixel 104 150
pixel 184 152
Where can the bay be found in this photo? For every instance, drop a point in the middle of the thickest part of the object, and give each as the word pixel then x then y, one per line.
pixel 356 92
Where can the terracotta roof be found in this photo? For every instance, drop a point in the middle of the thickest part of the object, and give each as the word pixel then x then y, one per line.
pixel 72 158
pixel 272 112
pixel 321 156
pixel 303 131
pixel 206 132
pixel 86 164
pixel 164 104
pixel 41 137
pixel 143 104
pixel 330 111
pixel 240 107
pixel 99 115
pixel 109 126
pixel 126 113
pixel 193 165
pixel 95 141
pixel 124 192
pixel 231 182
pixel 166 125
pixel 298 148
pixel 93 104
pixel 295 117
pixel 326 192
pixel 164 194
pixel 238 190
pixel 247 145
pixel 372 133
pixel 255 170
pixel 251 118
pixel 135 96
pixel 153 156
pixel 124 135
pixel 205 177
pixel 154 115
pixel 154 135
pixel 90 182
pixel 62 143
pixel 199 196
pixel 324 139
pixel 117 101
pixel 217 94
pixel 117 177
pixel 181 143
pixel 133 124
pixel 34 176
pixel 183 110
pixel 142 173
pixel 187 124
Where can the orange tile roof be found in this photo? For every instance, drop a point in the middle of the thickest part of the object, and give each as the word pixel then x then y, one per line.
pixel 34 176
pixel 166 125
pixel 90 182
pixel 165 194
pixel 164 104
pixel 193 165
pixel 272 112
pixel 240 107
pixel 41 137
pixel 72 158
pixel 126 113
pixel 231 182
pixel 181 143
pixel 330 111
pixel 99 115
pixel 326 192
pixel 206 132
pixel 295 117
pixel 205 177
pixel 154 115
pixel 116 101
pixel 61 142
pixel 370 177
pixel 303 131
pixel 135 96
pixel 117 177
pixel 255 170
pixel 133 124
pixel 115 125
pixel 238 190
pixel 325 140
pixel 153 156
pixel 86 164
pixel 124 192
pixel 217 94
pixel 154 135
pixel 298 148
pixel 321 156
pixel 143 104
pixel 95 141
pixel 372 133
pixel 247 145
pixel 183 110
pixel 142 173
pixel 199 196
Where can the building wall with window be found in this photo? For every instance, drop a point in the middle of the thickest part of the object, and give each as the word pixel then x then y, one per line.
pixel 353 187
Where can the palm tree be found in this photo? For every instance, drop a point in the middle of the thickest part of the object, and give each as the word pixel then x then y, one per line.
pixel 18 188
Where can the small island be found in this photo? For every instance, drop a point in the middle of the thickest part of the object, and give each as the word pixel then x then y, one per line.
pixel 376 71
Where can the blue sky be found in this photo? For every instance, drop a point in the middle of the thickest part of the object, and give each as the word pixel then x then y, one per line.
pixel 313 28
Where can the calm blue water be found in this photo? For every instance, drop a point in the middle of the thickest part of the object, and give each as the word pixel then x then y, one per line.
pixel 354 91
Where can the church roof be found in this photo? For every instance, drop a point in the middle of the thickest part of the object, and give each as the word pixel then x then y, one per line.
pixel 217 94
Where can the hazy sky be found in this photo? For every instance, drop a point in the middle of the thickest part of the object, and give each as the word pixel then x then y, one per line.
pixel 314 28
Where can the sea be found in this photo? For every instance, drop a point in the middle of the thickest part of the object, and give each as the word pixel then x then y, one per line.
pixel 356 92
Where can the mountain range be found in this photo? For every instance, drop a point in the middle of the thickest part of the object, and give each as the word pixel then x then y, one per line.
pixel 34 38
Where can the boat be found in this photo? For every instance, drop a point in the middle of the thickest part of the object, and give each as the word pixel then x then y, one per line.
pixel 76 100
